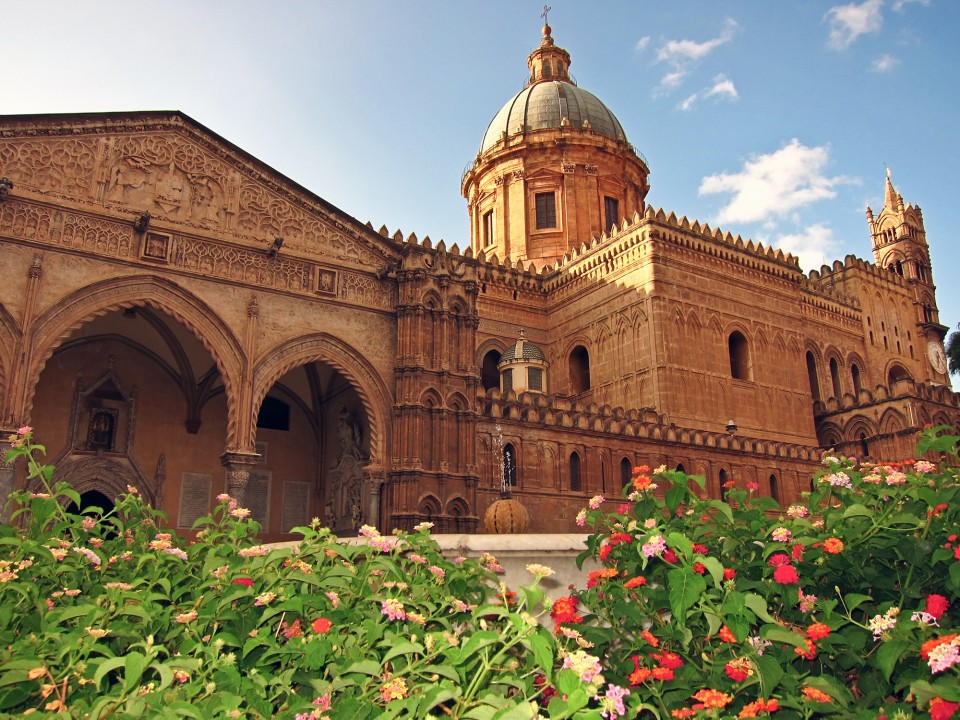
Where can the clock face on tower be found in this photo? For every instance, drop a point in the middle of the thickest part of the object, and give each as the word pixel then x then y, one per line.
pixel 938 359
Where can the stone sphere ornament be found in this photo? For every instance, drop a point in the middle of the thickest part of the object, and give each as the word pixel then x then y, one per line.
pixel 506 516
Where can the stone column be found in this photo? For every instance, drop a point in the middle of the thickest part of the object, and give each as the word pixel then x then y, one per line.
pixel 375 476
pixel 6 475
pixel 238 466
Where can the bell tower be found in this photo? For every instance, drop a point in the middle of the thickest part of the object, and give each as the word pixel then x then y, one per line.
pixel 900 246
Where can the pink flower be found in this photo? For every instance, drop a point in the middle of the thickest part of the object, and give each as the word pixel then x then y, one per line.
pixel 596 501
pixel 439 573
pixel 654 546
pixel 611 703
pixel 586 666
pixel 186 617
pixel 240 513
pixel 265 598
pixel 24 430
pixel 393 609
pixel 581 518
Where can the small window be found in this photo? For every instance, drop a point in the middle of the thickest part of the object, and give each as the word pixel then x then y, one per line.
pixel 611 212
pixel 812 375
pixel 489 375
pixel 274 414
pixel 509 466
pixel 575 472
pixel 579 365
pixel 775 488
pixel 626 472
pixel 507 377
pixel 547 72
pixel 739 356
pixel 546 210
pixel 722 478
pixel 488 238
pixel 855 376
pixel 535 378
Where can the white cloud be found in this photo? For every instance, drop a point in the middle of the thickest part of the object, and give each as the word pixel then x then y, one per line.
pixel 812 246
pixel 884 63
pixel 848 22
pixel 775 184
pixel 681 55
pixel 900 4
pixel 722 87
pixel 642 43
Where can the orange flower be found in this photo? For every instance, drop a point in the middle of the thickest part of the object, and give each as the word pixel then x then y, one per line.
pixel 321 625
pixel 726 634
pixel 682 713
pixel 635 582
pixel 816 695
pixel 713 698
pixel 650 638
pixel 818 631
pixel 833 545
pixel 751 710
pixel 639 675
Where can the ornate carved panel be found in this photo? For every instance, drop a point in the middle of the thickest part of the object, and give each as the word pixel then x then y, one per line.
pixel 28 222
pixel 63 167
pixel 365 290
pixel 216 260
pixel 95 235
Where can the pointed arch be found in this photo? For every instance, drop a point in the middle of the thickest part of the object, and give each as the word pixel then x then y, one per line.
pixel 892 421
pixel 56 323
pixel 274 363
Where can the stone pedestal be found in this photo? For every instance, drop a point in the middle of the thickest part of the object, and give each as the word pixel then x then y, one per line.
pixel 238 466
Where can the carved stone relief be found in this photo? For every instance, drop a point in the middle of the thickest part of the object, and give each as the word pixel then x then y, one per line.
pixel 58 166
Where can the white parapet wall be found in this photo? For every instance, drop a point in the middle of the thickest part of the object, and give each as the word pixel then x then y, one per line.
pixel 514 552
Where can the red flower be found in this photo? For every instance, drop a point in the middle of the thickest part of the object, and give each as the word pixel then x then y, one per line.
pixel 565 611
pixel 321 625
pixel 810 653
pixel 737 674
pixel 796 552
pixel 818 631
pixel 699 568
pixel 668 659
pixel 650 638
pixel 786 575
pixel 623 508
pixel 699 549
pixel 605 551
pixel 941 709
pixel 670 556
pixel 937 605
pixel 635 582
pixel 778 559
pixel 662 673
pixel 621 538
pixel 729 573
pixel 243 581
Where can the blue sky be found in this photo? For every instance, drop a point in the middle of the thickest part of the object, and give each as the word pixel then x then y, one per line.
pixel 775 120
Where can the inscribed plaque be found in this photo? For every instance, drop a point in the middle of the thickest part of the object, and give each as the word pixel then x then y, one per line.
pixel 296 504
pixel 257 497
pixel 194 498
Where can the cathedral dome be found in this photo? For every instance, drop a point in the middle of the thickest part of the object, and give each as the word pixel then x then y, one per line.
pixel 544 105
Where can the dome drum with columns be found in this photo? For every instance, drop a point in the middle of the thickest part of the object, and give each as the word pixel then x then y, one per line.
pixel 554 168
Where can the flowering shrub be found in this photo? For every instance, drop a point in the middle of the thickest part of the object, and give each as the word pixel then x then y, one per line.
pixel 847 604
pixel 109 615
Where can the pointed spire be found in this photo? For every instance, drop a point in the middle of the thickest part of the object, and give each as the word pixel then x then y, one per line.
pixel 890 199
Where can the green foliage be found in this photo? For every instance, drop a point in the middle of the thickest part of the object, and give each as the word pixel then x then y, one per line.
pixel 953 352
pixel 834 606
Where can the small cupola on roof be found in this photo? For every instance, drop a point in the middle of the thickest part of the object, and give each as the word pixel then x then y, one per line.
pixel 523 367
pixel 548 62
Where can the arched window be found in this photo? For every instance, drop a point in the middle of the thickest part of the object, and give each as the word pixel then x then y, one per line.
pixel 897 372
pixel 274 414
pixel 739 356
pixel 489 375
pixel 855 376
pixel 835 378
pixel 812 376
pixel 509 466
pixel 681 468
pixel 575 484
pixel 579 370
pixel 626 472
pixel 775 488
pixel 723 479
pixel 864 446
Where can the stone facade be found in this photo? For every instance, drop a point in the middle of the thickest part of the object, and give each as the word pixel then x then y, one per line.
pixel 180 317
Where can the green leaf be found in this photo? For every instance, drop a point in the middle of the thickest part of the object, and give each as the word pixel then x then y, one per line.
pixel 715 568
pixel 770 673
pixel 364 667
pixel 758 606
pixel 775 633
pixel 888 655
pixel 477 642
pixel 107 666
pixel 404 648
pixel 857 510
pixel 674 496
pixel 685 588
pixel 723 509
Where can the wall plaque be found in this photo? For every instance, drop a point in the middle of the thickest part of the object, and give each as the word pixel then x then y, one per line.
pixel 194 498
pixel 296 504
pixel 257 497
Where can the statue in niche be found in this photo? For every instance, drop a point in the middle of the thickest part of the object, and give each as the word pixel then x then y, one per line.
pixel 100 434
pixel 346 477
